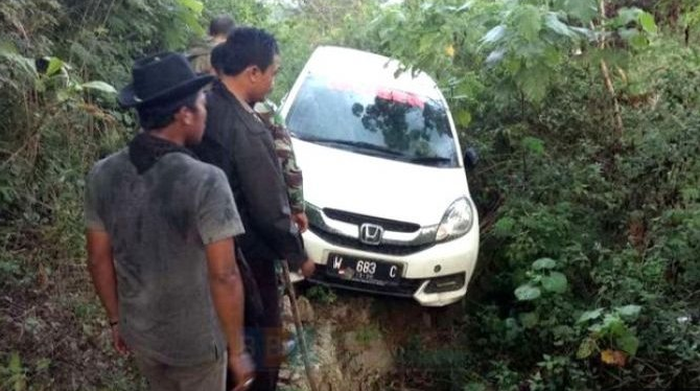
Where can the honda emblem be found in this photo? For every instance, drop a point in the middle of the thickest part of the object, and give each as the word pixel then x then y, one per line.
pixel 371 234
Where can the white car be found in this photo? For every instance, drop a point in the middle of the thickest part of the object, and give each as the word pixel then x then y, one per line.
pixel 384 179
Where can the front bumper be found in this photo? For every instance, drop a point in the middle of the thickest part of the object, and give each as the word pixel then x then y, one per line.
pixel 439 260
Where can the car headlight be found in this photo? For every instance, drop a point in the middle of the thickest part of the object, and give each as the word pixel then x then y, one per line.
pixel 458 220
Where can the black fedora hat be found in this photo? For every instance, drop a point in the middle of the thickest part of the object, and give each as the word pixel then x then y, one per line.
pixel 162 77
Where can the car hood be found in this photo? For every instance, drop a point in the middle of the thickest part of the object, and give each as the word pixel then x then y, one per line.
pixel 379 187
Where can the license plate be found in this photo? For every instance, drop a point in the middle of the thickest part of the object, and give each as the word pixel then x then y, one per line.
pixel 364 270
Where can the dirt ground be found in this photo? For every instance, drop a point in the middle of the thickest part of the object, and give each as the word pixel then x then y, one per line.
pixel 53 337
pixel 357 342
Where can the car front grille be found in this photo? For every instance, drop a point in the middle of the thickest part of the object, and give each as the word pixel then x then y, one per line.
pixel 358 219
pixel 390 249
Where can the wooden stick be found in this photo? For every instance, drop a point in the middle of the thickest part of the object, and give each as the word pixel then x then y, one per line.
pixel 619 125
pixel 298 326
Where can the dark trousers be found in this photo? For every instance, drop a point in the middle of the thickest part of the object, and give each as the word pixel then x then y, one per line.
pixel 264 327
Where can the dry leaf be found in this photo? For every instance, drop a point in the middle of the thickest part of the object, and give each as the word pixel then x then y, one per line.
pixel 613 357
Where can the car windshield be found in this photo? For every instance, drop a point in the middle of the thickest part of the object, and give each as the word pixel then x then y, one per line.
pixel 376 121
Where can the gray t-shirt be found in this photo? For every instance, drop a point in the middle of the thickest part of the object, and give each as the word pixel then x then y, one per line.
pixel 159 223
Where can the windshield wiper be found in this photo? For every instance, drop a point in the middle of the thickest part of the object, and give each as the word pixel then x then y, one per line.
pixel 350 143
pixel 430 159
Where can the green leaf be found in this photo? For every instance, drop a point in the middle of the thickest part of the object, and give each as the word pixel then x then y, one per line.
pixel 626 16
pixel 647 21
pixel 553 23
pixel 555 282
pixel 534 82
pixel 192 21
pixel 99 86
pixel 544 263
pixel 464 118
pixel 529 319
pixel 9 53
pixel 562 332
pixel 15 365
pixel 582 10
pixel 466 6
pixel 529 22
pixel 504 226
pixel 629 311
pixel 590 315
pixel 613 325
pixel 425 43
pixel 55 66
pixel 495 56
pixel 639 41
pixel 195 6
pixel 534 145
pixel 527 292
pixel 628 34
pixel 586 349
pixel 43 364
pixel 629 343
pixel 494 35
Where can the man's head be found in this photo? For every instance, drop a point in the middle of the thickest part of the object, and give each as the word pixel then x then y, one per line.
pixel 168 97
pixel 184 117
pixel 220 27
pixel 251 57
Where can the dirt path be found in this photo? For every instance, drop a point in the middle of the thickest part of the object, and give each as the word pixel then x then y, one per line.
pixel 362 342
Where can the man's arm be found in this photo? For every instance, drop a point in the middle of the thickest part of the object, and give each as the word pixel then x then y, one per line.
pixel 228 297
pixel 101 267
pixel 218 222
pixel 292 174
pixel 258 169
pixel 227 292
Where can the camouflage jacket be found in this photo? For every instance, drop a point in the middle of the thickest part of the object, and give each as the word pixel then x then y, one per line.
pixel 285 153
pixel 200 56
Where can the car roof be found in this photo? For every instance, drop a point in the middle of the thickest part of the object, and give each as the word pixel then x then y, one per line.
pixel 365 68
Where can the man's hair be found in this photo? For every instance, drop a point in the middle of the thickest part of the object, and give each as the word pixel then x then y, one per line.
pixel 244 47
pixel 158 116
pixel 218 57
pixel 221 25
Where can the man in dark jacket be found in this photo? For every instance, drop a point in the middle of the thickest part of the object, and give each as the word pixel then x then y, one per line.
pixel 237 141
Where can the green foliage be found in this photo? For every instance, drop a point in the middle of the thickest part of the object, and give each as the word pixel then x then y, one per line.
pixel 611 329
pixel 321 294
pixel 589 275
pixel 13 375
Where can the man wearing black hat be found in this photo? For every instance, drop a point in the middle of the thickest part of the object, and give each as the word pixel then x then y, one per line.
pixel 160 225
pixel 237 141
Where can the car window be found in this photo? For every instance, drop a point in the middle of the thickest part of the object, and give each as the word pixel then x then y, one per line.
pixel 374 120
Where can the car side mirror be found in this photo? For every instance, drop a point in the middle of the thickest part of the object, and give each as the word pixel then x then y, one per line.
pixel 471 158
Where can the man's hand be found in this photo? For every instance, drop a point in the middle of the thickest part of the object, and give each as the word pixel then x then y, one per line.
pixel 301 221
pixel 243 370
pixel 118 341
pixel 308 268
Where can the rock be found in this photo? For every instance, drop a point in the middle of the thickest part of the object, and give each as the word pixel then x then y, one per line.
pixel 306 310
pixel 287 310
pixel 329 374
